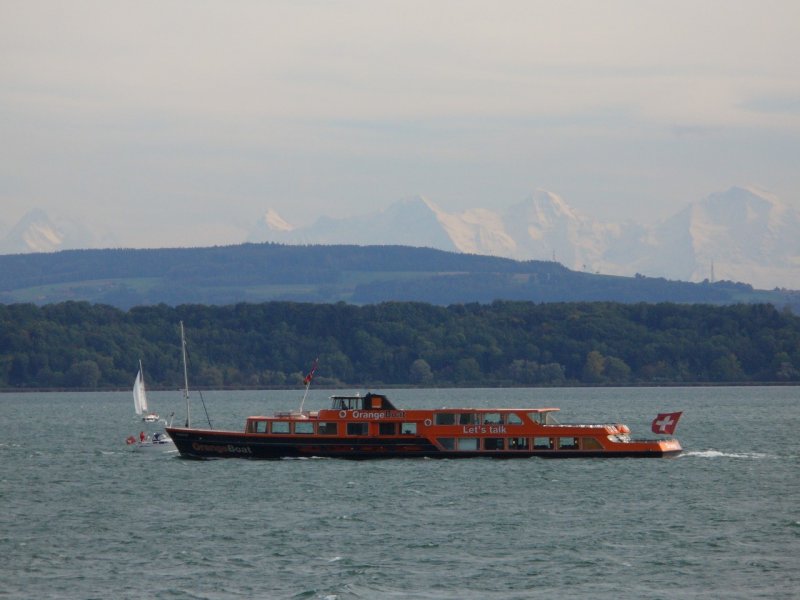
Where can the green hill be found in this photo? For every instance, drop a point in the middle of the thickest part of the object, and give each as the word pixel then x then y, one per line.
pixel 354 274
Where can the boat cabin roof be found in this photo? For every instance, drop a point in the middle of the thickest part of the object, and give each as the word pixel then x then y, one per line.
pixel 491 409
pixel 369 401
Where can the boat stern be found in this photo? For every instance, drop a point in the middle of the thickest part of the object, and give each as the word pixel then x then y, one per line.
pixel 670 447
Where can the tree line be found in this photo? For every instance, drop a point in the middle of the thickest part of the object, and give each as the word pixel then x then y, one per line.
pixel 505 343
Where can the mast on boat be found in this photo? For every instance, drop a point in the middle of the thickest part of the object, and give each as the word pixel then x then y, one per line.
pixel 185 376
pixel 143 390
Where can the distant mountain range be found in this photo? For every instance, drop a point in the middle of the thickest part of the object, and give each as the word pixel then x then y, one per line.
pixel 39 232
pixel 742 234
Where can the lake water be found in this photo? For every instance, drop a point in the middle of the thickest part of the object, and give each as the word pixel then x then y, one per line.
pixel 84 516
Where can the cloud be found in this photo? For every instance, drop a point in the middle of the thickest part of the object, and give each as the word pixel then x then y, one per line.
pixel 775 105
pixel 387 60
pixel 181 105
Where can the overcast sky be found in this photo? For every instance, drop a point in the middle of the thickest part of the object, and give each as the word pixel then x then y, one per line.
pixel 181 122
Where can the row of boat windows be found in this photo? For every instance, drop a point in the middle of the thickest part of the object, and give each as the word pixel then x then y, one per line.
pixel 520 443
pixel 330 428
pixel 463 444
pixel 464 418
pixel 491 418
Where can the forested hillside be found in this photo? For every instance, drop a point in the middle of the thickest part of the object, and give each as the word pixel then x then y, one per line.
pixel 354 274
pixel 80 345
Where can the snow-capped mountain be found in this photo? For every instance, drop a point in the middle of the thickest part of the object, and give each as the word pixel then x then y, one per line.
pixel 748 235
pixel 37 232
pixel 742 234
pixel 412 222
pixel 545 227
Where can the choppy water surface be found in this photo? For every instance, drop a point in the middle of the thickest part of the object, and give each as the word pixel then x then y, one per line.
pixel 84 516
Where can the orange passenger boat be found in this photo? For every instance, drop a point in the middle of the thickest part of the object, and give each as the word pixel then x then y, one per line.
pixel 370 426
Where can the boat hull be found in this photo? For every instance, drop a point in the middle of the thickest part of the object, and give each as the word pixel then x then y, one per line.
pixel 209 444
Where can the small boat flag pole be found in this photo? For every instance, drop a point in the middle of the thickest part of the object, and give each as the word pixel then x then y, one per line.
pixel 185 376
pixel 307 381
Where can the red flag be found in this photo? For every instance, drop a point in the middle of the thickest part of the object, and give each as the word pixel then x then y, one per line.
pixel 666 422
pixel 310 375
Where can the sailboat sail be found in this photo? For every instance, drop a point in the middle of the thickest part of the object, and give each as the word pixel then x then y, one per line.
pixel 139 394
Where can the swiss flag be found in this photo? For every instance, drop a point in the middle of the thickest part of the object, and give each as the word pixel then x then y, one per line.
pixel 666 422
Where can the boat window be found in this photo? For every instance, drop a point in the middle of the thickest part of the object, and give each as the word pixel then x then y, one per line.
pixel 445 418
pixel 467 444
pixel 327 429
pixel 448 443
pixel 357 428
pixel 568 443
pixel 543 418
pixel 468 419
pixel 542 443
pixel 256 426
pixel 280 427
pixel 514 419
pixel 387 428
pixel 518 443
pixel 409 428
pixel 493 444
pixel 492 418
pixel 304 427
pixel 591 444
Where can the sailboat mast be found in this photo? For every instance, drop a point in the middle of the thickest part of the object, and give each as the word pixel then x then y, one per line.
pixel 142 391
pixel 139 401
pixel 185 376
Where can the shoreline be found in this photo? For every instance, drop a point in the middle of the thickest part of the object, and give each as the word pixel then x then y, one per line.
pixel 24 390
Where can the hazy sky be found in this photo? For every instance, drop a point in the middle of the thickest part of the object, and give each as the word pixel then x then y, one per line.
pixel 181 122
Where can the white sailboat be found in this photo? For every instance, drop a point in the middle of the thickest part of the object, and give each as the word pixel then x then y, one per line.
pixel 140 398
pixel 158 440
pixel 145 440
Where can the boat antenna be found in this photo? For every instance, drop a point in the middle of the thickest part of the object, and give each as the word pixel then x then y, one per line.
pixel 186 383
pixel 307 380
pixel 185 377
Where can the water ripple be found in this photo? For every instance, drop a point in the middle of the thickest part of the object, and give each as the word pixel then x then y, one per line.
pixel 84 517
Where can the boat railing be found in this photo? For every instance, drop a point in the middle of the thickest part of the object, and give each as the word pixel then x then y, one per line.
pixel 581 425
pixel 294 414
